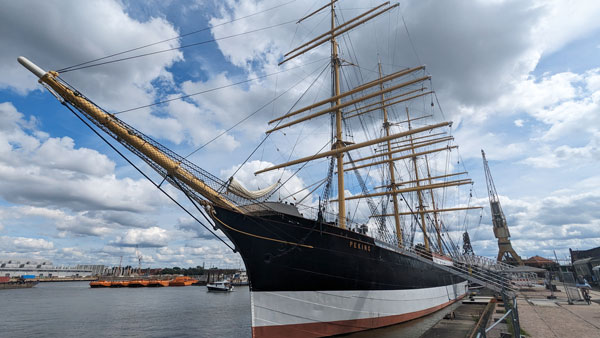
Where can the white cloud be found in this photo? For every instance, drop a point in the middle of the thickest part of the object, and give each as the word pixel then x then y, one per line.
pixel 519 122
pixel 72 32
pixel 24 244
pixel 565 155
pixel 151 237
pixel 43 171
pixel 564 22
pixel 563 219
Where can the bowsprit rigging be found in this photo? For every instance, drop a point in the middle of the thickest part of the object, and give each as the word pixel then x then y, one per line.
pixel 374 277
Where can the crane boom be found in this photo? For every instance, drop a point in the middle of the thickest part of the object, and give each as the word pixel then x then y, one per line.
pixel 505 250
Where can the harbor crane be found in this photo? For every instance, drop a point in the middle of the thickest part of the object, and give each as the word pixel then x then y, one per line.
pixel 506 253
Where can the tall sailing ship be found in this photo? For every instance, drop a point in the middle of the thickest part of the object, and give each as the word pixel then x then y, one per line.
pixel 330 272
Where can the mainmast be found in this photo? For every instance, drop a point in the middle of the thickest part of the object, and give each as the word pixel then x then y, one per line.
pixel 339 143
pixel 417 182
pixel 339 147
pixel 386 126
pixel 436 222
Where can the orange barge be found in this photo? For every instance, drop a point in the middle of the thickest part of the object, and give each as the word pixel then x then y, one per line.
pixel 138 283
pixel 100 284
pixel 158 283
pixel 183 281
pixel 119 284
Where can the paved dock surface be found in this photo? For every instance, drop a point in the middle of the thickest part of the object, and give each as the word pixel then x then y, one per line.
pixel 545 318
pixel 539 316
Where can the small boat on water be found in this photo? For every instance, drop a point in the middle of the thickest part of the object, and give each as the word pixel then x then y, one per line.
pixel 183 281
pixel 100 284
pixel 221 286
pixel 158 283
pixel 240 279
pixel 19 283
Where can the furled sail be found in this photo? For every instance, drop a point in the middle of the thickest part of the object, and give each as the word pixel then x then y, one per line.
pixel 238 189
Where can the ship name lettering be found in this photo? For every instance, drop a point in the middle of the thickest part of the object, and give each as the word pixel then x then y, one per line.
pixel 360 246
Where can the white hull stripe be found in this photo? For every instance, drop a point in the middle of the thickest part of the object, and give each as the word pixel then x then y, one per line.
pixel 351 310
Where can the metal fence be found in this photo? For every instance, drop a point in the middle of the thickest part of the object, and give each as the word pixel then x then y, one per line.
pixel 570 288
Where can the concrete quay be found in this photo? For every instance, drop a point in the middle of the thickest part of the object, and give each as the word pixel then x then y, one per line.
pixel 539 316
pixel 542 317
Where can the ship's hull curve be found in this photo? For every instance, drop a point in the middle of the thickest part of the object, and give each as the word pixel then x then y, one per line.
pixel 324 313
pixel 296 264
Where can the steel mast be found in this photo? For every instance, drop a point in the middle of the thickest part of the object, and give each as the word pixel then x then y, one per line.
pixel 505 250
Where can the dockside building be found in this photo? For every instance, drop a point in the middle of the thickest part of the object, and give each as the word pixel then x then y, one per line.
pixel 42 269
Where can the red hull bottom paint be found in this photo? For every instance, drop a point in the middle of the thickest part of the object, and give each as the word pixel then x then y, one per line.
pixel 324 329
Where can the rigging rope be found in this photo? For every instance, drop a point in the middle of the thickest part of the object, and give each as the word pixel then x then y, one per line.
pixel 267 136
pixel 410 39
pixel 217 88
pixel 252 114
pixel 173 38
pixel 296 172
pixel 146 176
pixel 176 48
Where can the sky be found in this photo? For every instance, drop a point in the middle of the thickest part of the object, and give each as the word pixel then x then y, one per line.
pixel 518 79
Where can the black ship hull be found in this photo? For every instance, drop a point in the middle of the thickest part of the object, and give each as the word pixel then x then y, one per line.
pixel 292 261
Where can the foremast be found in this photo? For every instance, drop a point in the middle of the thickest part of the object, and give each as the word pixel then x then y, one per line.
pixel 335 64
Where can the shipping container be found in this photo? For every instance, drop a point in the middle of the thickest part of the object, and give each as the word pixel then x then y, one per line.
pixel 28 276
pixel 4 279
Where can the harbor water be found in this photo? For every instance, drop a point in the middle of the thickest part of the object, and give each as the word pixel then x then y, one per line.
pixel 73 309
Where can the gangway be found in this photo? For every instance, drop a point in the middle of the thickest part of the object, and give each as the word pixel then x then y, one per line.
pixel 476 269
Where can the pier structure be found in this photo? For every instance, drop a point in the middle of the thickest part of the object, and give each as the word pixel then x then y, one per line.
pixel 559 316
pixel 43 269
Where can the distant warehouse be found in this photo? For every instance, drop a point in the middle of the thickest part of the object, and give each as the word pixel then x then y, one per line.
pixel 42 269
